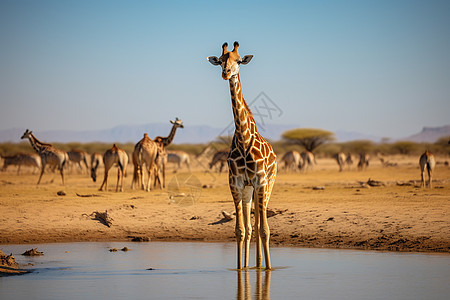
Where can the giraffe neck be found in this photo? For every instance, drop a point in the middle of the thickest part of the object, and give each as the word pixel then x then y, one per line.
pixel 168 140
pixel 35 143
pixel 245 126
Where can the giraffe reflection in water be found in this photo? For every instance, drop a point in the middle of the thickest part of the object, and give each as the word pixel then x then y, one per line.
pixel 262 289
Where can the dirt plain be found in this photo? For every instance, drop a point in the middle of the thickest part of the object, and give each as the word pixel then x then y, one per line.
pixel 321 208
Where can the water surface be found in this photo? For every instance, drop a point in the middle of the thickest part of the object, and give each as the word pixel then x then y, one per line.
pixel 162 270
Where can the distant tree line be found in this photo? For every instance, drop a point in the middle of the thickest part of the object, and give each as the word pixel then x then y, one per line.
pixel 319 141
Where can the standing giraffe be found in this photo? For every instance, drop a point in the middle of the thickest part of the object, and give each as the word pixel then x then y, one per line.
pixel 111 157
pixel 48 153
pixel 252 164
pixel 145 152
pixel 163 143
pixel 427 162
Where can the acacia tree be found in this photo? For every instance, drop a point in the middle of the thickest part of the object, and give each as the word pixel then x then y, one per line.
pixel 309 138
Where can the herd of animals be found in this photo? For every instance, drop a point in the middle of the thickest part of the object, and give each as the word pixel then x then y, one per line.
pixel 147 150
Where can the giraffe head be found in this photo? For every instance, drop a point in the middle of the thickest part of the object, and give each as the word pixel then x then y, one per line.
pixel 177 123
pixel 26 134
pixel 230 61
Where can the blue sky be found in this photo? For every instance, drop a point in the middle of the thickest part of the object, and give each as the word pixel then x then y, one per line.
pixel 375 67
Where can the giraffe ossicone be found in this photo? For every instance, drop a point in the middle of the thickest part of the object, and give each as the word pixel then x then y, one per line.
pixel 252 164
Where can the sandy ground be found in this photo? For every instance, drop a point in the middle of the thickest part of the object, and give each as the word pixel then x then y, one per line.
pixel 344 214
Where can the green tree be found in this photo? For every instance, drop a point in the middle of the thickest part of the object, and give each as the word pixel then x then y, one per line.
pixel 309 138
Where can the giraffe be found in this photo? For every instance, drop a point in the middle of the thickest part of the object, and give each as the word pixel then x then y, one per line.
pixel 164 142
pixel 111 157
pixel 252 164
pixel 427 162
pixel 145 152
pixel 48 153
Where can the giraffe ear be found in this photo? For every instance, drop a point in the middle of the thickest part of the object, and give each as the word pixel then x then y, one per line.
pixel 213 60
pixel 246 59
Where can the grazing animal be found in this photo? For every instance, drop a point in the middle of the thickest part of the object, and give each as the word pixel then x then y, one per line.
pixel 252 164
pixel 349 160
pixel 340 159
pixel 48 153
pixel 144 156
pixel 220 157
pixel 22 159
pixel 363 161
pixel 426 162
pixel 96 161
pixel 308 159
pixel 163 143
pixel 292 160
pixel 115 156
pixel 77 157
pixel 179 158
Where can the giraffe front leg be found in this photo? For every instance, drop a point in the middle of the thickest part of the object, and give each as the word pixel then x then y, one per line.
pixel 42 173
pixel 239 231
pixel 105 182
pixel 247 205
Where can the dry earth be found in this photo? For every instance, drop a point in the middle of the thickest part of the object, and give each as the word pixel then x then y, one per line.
pixel 399 216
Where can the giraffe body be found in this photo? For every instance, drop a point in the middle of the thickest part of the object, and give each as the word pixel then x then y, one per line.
pixel 252 165
pixel 144 156
pixel 48 153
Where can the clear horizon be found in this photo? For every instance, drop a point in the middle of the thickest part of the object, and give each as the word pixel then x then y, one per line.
pixel 379 68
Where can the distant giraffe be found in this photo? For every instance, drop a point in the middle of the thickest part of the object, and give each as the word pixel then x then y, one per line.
pixel 340 159
pixel 96 161
pixel 220 157
pixel 48 153
pixel 111 157
pixel 252 164
pixel 145 153
pixel 164 142
pixel 77 157
pixel 426 162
